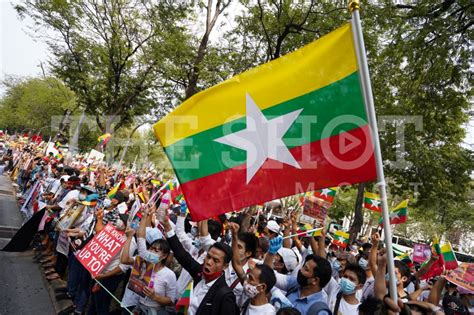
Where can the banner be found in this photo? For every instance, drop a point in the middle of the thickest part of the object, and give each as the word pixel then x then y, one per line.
pixel 140 276
pixel 421 252
pixel 463 276
pixel 98 253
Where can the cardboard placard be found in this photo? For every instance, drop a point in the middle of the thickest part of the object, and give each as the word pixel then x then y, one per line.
pixel 99 251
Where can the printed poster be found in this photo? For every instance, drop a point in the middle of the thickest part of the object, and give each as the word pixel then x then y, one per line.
pixel 421 252
pixel 141 275
pixel 315 211
pixel 100 250
pixel 462 276
pixel 70 216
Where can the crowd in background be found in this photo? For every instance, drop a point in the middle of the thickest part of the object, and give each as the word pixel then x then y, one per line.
pixel 245 262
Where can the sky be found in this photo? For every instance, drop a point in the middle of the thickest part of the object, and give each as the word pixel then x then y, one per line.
pixel 21 55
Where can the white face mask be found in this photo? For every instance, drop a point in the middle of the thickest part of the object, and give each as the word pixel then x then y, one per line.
pixel 250 290
pixel 107 203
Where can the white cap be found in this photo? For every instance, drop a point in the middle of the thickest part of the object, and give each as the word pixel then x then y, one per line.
pixel 290 257
pixel 273 226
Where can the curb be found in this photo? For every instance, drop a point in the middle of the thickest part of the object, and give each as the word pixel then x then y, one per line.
pixel 59 305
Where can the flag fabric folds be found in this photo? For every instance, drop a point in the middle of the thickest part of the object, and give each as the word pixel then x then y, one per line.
pixel 341 239
pixel 372 202
pixel 104 139
pixel 327 194
pixel 399 214
pixel 183 303
pixel 252 138
pixel 450 261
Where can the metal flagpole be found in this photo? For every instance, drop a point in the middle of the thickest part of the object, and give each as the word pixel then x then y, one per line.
pixel 358 38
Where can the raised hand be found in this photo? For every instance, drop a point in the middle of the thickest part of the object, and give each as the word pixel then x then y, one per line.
pixel 275 244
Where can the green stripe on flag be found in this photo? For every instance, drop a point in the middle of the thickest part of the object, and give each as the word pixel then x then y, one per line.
pixel 320 107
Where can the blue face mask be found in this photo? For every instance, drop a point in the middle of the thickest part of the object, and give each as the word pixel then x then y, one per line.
pixel 347 286
pixel 152 257
pixel 107 203
pixel 363 263
pixel 336 265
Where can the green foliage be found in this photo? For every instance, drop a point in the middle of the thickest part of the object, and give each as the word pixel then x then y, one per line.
pixel 33 103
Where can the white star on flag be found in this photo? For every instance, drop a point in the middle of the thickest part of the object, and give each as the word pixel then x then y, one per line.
pixel 325 192
pixel 262 138
pixel 375 203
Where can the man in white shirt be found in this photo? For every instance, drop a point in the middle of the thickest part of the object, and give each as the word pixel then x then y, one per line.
pixel 211 294
pixel 346 302
pixel 257 283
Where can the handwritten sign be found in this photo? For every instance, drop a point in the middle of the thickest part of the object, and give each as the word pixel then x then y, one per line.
pixel 98 253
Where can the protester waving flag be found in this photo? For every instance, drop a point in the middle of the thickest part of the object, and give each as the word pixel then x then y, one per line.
pixel 341 239
pixel 236 164
pixel 450 261
pixel 104 139
pixel 326 194
pixel 399 214
pixel 372 202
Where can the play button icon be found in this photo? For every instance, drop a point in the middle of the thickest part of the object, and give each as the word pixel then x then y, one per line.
pixel 347 142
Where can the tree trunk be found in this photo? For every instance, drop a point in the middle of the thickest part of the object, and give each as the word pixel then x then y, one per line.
pixel 358 214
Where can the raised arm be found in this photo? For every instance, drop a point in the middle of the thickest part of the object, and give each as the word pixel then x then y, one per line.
pixel 373 253
pixel 181 255
pixel 380 288
pixel 435 293
pixel 125 255
pixel 236 263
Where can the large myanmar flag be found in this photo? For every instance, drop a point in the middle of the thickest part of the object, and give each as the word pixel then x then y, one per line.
pixel 294 124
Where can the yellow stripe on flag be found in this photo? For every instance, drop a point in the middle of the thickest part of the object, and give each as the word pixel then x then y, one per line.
pixel 318 64
pixel 401 205
pixel 371 195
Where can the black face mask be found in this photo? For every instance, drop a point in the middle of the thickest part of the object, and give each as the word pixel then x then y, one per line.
pixel 301 279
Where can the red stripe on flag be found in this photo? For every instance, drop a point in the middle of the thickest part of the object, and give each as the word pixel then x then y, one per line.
pixel 219 193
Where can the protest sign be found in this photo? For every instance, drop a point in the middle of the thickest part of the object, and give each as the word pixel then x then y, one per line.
pixel 70 216
pixel 98 253
pixel 462 276
pixel 421 252
pixel 140 276
pixel 315 211
pixel 95 155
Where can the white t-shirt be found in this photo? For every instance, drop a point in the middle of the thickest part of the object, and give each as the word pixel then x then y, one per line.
pixel 347 309
pixel 164 284
pixel 265 309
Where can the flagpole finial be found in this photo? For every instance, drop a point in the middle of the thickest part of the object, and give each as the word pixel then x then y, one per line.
pixel 354 5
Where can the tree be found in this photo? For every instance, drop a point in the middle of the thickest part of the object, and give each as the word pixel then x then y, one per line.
pixel 106 51
pixel 33 103
pixel 418 58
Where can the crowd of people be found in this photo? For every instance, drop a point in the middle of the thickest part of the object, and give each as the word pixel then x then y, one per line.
pixel 244 262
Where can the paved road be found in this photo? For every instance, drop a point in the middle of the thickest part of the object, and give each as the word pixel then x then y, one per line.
pixel 22 290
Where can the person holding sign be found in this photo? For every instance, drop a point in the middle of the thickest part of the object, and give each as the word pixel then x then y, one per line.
pixel 159 293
